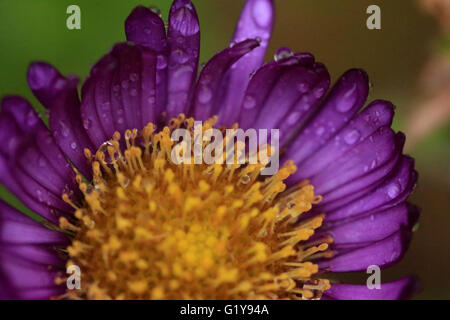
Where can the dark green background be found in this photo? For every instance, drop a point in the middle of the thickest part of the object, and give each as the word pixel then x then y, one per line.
pixel 334 31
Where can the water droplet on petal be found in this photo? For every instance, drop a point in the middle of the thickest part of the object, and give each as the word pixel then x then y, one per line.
pixel 249 102
pixel 32 119
pixel 156 10
pixel 318 92
pixel 393 190
pixel 73 145
pixel 352 136
pixel 293 118
pixel 64 130
pixel 347 101
pixel 283 53
pixel 133 77
pixel 125 84
pixel 320 131
pixel 205 94
pixel 161 62
pixel 133 92
pixel 87 124
pixel 179 56
pixel 302 87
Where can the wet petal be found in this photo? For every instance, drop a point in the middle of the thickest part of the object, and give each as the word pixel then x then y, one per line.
pixel 146 28
pixel 17 228
pixel 395 290
pixel 184 47
pixel 345 99
pixel 371 227
pixel 382 253
pixel 120 92
pixel 28 272
pixel 256 21
pixel 208 87
pixel 59 94
pixel 364 158
pixel 34 167
pixel 376 115
pixel 393 190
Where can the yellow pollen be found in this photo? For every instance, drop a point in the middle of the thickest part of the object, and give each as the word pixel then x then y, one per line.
pixel 148 228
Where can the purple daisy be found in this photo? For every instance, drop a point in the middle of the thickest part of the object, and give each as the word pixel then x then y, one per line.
pixel 141 227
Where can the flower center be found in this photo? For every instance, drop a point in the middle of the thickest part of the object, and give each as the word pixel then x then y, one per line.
pixel 152 229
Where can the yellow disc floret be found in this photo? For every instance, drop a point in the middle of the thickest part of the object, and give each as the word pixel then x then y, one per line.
pixel 152 229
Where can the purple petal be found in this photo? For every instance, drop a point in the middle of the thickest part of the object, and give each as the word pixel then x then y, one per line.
pixel 363 159
pixel 208 87
pixel 256 21
pixel 17 228
pixel 292 98
pixel 391 191
pixel 147 29
pixel 28 272
pixel 262 83
pixel 184 46
pixel 60 96
pixel 34 167
pixel 120 92
pixel 376 115
pixel 383 253
pixel 346 98
pixel 371 227
pixel 396 290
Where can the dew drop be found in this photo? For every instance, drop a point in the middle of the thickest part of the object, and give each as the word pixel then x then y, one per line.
pixel 133 77
pixel 64 130
pixel 161 62
pixel 318 92
pixel 347 101
pixel 180 56
pixel 133 92
pixel 125 84
pixel 249 102
pixel 205 95
pixel 87 124
pixel 393 190
pixel 293 118
pixel 302 87
pixel 283 53
pixel 73 145
pixel 320 130
pixel 156 10
pixel 31 118
pixel 245 179
pixel 352 137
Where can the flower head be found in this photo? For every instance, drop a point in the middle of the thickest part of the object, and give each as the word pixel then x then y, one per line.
pixel 140 226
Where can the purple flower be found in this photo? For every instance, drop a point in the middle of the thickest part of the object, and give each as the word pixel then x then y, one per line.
pixel 140 226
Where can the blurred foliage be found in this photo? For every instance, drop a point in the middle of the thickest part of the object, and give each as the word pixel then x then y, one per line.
pixel 335 31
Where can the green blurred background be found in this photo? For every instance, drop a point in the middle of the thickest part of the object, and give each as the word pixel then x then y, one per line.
pixel 334 31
